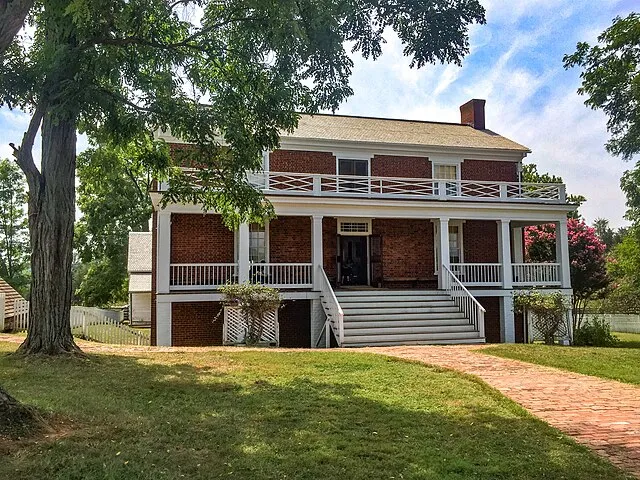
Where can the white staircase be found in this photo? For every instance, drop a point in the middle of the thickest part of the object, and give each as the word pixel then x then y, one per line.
pixel 403 317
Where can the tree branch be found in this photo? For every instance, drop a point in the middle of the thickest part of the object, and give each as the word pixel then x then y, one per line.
pixel 24 154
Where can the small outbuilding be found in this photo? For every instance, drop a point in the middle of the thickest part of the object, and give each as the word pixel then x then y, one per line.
pixel 139 266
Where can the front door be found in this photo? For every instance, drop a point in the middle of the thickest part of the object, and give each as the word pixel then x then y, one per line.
pixel 353 260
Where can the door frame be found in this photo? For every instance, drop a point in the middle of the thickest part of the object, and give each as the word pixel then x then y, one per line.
pixel 368 253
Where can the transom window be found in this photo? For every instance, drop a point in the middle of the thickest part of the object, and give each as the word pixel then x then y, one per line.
pixel 257 243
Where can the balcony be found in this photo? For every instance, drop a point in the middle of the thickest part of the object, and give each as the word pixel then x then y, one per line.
pixel 323 185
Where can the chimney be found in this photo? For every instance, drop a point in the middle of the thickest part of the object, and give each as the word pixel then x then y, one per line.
pixel 472 113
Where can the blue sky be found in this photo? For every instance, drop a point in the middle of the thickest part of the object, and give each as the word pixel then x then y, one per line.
pixel 516 65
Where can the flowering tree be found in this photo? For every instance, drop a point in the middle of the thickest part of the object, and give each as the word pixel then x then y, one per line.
pixel 586 254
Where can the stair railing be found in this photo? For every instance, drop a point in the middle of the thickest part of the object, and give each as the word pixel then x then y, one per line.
pixel 466 302
pixel 332 309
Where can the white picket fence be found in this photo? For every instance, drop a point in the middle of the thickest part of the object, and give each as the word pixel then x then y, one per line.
pixel 89 324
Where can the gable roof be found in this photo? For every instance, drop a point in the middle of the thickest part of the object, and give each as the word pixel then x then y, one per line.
pixel 10 295
pixel 139 257
pixel 399 132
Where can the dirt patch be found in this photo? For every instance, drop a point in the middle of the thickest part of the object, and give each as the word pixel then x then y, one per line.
pixel 18 420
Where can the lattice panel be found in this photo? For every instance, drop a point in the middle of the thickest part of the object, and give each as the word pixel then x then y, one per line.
pixel 234 330
pixel 535 335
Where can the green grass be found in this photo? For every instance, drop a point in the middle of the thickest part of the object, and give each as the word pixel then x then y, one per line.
pixel 268 415
pixel 621 363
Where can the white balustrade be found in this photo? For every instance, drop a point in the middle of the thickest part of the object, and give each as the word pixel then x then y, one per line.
pixel 194 276
pixel 332 309
pixel 282 275
pixel 464 300
pixel 474 274
pixel 536 274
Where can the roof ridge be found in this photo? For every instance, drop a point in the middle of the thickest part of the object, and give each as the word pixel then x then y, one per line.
pixel 366 117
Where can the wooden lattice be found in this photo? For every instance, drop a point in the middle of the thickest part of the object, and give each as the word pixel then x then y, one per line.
pixel 234 330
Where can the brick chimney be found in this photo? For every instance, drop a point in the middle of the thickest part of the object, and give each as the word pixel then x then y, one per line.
pixel 472 113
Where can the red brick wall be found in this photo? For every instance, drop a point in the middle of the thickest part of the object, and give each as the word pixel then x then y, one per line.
pixel 407 247
pixel 330 247
pixel 290 240
pixel 294 320
pixel 487 170
pixel 480 241
pixel 302 162
pixel 154 267
pixel 193 325
pixel 491 318
pixel 198 238
pixel 395 166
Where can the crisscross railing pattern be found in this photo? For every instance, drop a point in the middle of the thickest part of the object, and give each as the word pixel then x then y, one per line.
pixel 234 328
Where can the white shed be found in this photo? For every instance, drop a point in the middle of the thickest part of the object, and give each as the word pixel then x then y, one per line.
pixel 139 267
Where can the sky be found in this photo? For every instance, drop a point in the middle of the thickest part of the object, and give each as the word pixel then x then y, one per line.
pixel 515 64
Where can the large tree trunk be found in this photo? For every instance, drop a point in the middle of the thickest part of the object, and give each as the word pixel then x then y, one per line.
pixel 12 15
pixel 51 219
pixel 16 419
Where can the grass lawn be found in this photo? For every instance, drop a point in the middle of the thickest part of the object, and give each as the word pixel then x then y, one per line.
pixel 269 415
pixel 621 363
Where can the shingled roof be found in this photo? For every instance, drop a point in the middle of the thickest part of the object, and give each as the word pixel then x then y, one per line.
pixel 139 258
pixel 400 132
pixel 10 295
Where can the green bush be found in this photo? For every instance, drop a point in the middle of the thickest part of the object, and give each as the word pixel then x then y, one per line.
pixel 596 333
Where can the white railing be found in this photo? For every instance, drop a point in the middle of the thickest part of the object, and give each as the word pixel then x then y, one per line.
pixel 284 183
pixel 89 324
pixel 194 276
pixel 464 300
pixel 473 274
pixel 282 275
pixel 536 274
pixel 332 309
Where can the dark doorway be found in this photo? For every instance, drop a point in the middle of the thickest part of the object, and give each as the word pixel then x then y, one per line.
pixel 353 260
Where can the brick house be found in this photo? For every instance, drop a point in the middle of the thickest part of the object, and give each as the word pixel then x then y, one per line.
pixel 387 232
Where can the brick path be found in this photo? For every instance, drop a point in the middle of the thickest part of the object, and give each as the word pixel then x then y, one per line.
pixel 602 414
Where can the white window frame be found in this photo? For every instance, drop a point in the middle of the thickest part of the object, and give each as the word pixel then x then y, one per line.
pixel 347 156
pixel 266 240
pixel 436 249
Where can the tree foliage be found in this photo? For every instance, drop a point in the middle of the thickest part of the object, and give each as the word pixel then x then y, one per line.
pixel 548 311
pixel 14 238
pixel 113 196
pixel 586 255
pixel 611 79
pixel 530 174
pixel 608 235
pixel 623 267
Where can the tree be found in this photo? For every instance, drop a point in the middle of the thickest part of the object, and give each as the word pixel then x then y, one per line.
pixel 12 16
pixel 14 241
pixel 586 254
pixel 608 235
pixel 610 75
pixel 530 174
pixel 124 68
pixel 113 196
pixel 623 266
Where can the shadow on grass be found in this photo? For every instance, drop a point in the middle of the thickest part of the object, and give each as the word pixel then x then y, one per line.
pixel 268 415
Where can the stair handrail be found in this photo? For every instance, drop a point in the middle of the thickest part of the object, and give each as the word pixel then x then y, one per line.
pixel 464 300
pixel 332 308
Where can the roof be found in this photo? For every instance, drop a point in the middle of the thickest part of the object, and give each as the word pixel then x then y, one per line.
pixel 139 258
pixel 10 295
pixel 139 282
pixel 400 132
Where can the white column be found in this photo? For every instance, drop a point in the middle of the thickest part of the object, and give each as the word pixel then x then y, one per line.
pixel 562 252
pixel 518 246
pixel 507 320
pixel 316 249
pixel 163 322
pixel 443 241
pixel 163 256
pixel 504 254
pixel 243 253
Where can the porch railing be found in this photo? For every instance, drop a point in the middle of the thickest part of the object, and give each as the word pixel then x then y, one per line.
pixel 332 309
pixel 193 276
pixel 473 274
pixel 464 300
pixel 536 274
pixel 282 275
pixel 286 183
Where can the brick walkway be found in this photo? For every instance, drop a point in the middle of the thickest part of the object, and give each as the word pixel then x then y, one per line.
pixel 602 414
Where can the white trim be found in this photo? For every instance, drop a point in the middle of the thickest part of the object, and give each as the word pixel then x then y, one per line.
pixel 367 221
pixel 267 242
pixel 355 156
pixel 163 252
pixel 218 297
pixel 163 323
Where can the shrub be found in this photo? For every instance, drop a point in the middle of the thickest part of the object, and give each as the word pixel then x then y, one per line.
pixel 255 302
pixel 548 310
pixel 596 333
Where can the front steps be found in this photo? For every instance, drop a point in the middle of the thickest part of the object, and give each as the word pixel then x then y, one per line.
pixel 402 317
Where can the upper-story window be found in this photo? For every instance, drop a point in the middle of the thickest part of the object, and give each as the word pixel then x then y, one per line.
pixel 447 171
pixel 257 243
pixel 351 166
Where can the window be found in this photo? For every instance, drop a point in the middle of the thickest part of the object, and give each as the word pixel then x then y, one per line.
pixel 447 172
pixel 349 166
pixel 257 243
pixel 454 244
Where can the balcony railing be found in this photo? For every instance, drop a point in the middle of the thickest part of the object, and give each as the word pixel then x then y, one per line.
pixel 209 276
pixel 472 274
pixel 536 274
pixel 325 185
